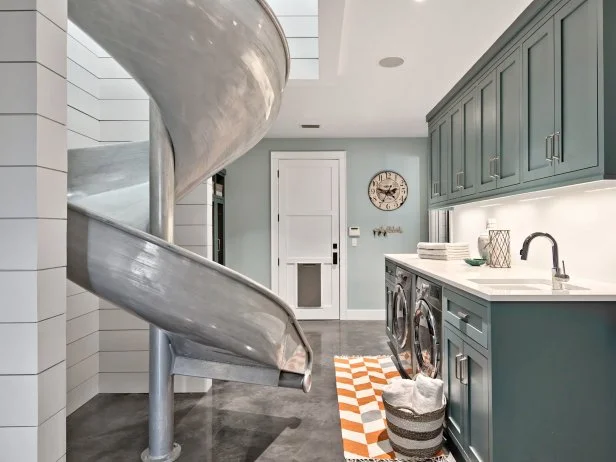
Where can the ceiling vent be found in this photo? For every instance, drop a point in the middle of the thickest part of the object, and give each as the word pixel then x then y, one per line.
pixel 391 61
pixel 311 126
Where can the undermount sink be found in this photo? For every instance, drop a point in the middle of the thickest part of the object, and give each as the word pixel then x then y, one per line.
pixel 521 284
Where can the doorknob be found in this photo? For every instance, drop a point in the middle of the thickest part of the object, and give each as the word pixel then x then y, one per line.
pixel 335 255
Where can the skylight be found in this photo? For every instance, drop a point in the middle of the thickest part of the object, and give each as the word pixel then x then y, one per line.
pixel 300 21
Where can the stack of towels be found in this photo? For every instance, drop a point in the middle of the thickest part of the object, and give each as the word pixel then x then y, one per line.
pixel 422 395
pixel 443 251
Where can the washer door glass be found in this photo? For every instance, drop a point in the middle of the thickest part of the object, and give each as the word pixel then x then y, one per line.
pixel 401 316
pixel 427 347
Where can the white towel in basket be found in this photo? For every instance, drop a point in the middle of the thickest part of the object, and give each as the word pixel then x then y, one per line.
pixel 427 394
pixel 398 393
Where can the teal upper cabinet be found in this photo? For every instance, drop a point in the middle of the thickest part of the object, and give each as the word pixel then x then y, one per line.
pixel 509 92
pixel 530 114
pixel 435 164
pixel 499 112
pixel 463 124
pixel 486 159
pixel 538 103
pixel 576 37
pixel 560 102
pixel 439 160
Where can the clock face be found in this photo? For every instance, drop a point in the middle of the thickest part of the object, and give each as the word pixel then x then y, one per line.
pixel 388 190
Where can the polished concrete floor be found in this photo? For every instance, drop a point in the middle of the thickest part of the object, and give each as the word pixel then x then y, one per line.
pixel 235 422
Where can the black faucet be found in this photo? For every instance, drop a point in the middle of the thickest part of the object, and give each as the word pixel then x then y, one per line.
pixel 559 277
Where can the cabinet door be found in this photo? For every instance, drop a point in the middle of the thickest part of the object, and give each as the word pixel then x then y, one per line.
pixel 463 120
pixel 435 163
pixel 456 160
pixel 444 137
pixel 538 103
pixel 576 37
pixel 486 101
pixel 469 144
pixel 476 379
pixel 508 123
pixel 453 350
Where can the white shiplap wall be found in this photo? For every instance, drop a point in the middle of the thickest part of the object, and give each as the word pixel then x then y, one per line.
pixel 109 348
pixel 33 230
pixel 82 311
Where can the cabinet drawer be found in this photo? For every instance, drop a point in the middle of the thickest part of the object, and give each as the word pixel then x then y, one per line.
pixel 468 316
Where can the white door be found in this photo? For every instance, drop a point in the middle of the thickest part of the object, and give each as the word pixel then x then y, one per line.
pixel 309 236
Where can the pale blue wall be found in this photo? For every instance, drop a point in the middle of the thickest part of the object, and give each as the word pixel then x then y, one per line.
pixel 247 208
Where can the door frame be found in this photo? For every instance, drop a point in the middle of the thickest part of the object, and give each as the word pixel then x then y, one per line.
pixel 276 156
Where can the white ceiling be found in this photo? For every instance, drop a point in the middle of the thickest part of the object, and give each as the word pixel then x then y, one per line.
pixel 355 97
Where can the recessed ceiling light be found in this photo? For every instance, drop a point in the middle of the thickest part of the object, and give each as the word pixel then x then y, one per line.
pixel 391 61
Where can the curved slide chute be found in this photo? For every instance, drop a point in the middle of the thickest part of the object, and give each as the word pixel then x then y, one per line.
pixel 215 71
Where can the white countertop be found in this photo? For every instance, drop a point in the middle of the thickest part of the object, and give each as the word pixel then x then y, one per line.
pixel 538 287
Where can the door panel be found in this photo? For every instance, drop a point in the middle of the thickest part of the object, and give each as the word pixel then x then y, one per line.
pixel 444 146
pixel 435 163
pixel 453 347
pixel 478 404
pixel 456 163
pixel 486 100
pixel 469 144
pixel 538 103
pixel 509 91
pixel 576 37
pixel 308 234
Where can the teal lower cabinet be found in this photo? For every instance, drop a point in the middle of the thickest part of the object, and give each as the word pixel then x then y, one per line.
pixel 544 389
pixel 467 383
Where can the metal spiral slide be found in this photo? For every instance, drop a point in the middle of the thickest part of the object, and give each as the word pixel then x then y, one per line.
pixel 215 71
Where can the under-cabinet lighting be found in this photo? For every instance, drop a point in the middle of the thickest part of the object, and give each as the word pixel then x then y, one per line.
pixel 489 205
pixel 533 199
pixel 599 189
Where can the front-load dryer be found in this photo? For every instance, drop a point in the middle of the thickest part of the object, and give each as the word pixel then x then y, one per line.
pixel 426 328
pixel 402 308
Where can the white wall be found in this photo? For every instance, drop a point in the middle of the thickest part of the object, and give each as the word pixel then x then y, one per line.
pixel 583 223
pixel 107 347
pixel 83 130
pixel 33 231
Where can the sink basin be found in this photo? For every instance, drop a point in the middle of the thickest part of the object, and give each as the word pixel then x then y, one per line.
pixel 522 284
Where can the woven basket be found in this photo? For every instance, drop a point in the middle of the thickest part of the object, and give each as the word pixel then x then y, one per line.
pixel 415 435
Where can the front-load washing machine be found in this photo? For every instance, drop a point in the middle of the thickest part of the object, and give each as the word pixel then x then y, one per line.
pixel 402 312
pixel 426 329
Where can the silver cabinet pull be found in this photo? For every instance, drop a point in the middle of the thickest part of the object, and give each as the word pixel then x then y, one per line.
pixel 556 147
pixel 460 180
pixel 458 357
pixel 548 152
pixel 490 167
pixel 464 370
pixel 497 167
pixel 437 189
pixel 463 316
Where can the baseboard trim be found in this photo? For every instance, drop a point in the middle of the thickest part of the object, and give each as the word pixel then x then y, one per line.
pixel 365 315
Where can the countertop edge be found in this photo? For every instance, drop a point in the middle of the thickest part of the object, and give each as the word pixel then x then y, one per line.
pixel 539 298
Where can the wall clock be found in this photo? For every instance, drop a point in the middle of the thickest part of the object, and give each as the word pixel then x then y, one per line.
pixel 388 190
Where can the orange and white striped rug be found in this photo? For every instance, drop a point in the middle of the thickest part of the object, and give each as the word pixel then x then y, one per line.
pixel 359 383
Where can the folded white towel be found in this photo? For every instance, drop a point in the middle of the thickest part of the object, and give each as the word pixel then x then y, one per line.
pixel 443 257
pixel 442 245
pixel 398 393
pixel 427 394
pixel 442 252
